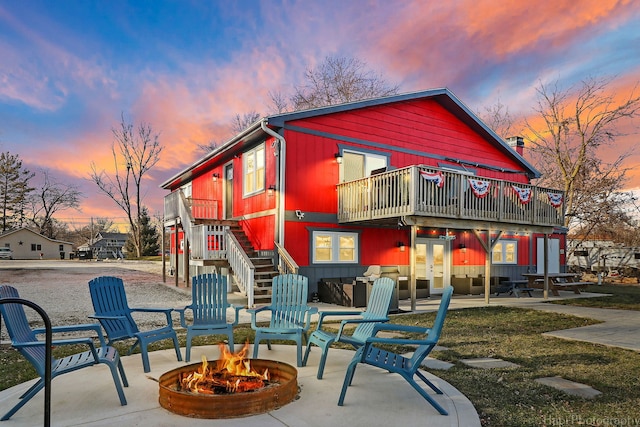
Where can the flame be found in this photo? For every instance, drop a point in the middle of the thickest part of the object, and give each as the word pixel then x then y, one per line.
pixel 233 373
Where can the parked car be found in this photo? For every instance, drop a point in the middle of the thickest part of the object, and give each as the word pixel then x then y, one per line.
pixel 6 253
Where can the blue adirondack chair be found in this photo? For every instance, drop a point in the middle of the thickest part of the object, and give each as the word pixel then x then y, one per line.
pixel 377 311
pixel 113 312
pixel 407 367
pixel 209 307
pixel 24 339
pixel 290 314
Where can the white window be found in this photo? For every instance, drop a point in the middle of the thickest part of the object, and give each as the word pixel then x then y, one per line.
pixel 358 165
pixel 253 170
pixel 505 252
pixel 335 247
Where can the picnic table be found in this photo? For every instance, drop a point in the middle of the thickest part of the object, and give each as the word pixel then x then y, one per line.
pixel 514 287
pixel 557 282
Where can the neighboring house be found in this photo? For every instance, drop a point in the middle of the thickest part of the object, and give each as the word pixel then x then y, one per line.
pixel 601 255
pixel 28 244
pixel 105 245
pixel 415 183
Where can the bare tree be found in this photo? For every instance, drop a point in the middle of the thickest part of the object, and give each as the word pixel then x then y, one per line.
pixel 338 80
pixel 134 154
pixel 52 197
pixel 499 120
pixel 240 123
pixel 577 123
pixel 279 102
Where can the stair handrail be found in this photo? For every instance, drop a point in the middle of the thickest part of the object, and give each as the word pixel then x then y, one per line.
pixel 186 218
pixel 242 267
pixel 286 263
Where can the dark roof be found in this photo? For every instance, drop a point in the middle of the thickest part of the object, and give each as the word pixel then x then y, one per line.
pixel 443 96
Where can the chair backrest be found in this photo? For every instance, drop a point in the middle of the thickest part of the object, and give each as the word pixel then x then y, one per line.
pixel 209 299
pixel 289 300
pixel 109 299
pixel 434 333
pixel 19 330
pixel 377 307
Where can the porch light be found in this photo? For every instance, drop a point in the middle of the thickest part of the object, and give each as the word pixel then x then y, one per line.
pixel 271 189
pixel 338 157
pixel 401 246
pixel 463 248
pixel 215 177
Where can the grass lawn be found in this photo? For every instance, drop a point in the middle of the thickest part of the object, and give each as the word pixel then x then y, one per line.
pixel 624 297
pixel 502 397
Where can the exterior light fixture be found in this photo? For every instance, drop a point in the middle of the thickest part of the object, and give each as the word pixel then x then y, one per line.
pixel 338 157
pixel 215 177
pixel 463 248
pixel 271 189
pixel 401 246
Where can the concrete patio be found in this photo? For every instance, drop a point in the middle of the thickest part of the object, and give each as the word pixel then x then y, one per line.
pixel 88 397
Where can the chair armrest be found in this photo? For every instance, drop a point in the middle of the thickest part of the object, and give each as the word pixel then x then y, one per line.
pixel 254 311
pixel 123 319
pixel 70 341
pixel 347 321
pixel 166 311
pixel 407 341
pixel 183 321
pixel 399 328
pixel 236 309
pixel 74 328
pixel 323 314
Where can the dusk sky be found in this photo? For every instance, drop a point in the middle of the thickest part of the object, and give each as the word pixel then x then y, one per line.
pixel 69 69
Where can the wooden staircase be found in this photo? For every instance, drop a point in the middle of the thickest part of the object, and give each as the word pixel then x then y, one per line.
pixel 265 270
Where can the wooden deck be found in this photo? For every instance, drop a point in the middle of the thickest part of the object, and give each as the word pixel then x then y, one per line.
pixel 436 193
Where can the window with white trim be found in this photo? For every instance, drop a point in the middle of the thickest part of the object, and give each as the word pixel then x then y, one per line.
pixel 358 165
pixel 335 247
pixel 505 252
pixel 253 170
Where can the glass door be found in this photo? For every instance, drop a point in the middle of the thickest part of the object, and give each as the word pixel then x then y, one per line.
pixel 433 264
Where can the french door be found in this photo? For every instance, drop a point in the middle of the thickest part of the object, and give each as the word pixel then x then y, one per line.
pixel 433 263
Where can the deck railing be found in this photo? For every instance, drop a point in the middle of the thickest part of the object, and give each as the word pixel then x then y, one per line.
pixel 423 191
pixel 208 242
pixel 197 208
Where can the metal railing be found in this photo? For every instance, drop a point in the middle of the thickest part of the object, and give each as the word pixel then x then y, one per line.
pixel 242 267
pixel 424 191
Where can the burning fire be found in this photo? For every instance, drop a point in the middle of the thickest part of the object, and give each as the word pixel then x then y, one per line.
pixel 232 374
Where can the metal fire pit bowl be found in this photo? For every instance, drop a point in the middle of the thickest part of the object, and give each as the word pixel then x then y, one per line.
pixel 283 390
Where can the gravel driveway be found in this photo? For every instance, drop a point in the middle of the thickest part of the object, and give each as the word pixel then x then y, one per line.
pixel 61 288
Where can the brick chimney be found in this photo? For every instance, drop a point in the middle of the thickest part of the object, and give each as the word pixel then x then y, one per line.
pixel 517 143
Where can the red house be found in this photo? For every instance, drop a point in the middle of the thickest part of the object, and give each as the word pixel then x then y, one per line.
pixel 414 183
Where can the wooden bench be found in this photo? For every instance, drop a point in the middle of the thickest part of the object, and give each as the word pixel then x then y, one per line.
pixel 557 285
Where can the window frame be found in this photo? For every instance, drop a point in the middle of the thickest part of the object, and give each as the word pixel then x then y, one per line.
pixel 368 155
pixel 253 154
pixel 335 246
pixel 504 253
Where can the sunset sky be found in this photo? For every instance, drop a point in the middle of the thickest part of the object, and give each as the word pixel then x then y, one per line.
pixel 69 69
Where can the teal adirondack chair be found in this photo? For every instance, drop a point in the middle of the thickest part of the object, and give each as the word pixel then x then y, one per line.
pixel 113 312
pixel 290 314
pixel 406 367
pixel 209 307
pixel 24 339
pixel 377 311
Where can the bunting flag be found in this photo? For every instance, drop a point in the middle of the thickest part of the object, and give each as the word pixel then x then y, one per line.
pixel 479 187
pixel 435 177
pixel 555 199
pixel 524 194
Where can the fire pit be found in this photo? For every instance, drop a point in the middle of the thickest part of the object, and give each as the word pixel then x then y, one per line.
pixel 230 387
